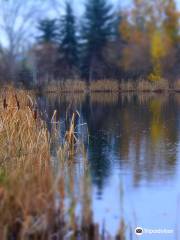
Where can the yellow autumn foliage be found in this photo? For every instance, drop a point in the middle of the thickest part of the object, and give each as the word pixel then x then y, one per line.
pixel 156 129
pixel 160 47
pixel 150 31
pixel 158 50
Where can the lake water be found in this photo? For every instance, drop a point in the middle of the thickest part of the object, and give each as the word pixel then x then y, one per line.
pixel 134 155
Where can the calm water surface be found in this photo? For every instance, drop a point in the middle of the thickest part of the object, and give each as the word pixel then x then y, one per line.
pixel 134 156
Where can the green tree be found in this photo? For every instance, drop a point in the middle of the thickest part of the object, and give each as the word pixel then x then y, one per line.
pixel 68 49
pixel 97 30
pixel 48 31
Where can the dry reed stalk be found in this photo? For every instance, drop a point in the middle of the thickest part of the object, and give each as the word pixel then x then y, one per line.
pixel 107 85
pixel 32 192
pixel 66 86
pixel 104 86
pixel 28 188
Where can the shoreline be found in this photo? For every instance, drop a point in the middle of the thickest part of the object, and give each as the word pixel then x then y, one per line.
pixel 113 92
pixel 110 86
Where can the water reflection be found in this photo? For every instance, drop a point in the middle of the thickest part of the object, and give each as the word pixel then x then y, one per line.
pixel 137 132
pixel 132 136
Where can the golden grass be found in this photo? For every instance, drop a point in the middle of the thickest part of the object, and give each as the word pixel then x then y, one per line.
pixel 23 134
pixel 104 86
pixel 127 86
pixel 25 160
pixel 161 85
pixel 32 191
pixel 141 85
pixel 34 185
pixel 66 86
pixel 144 86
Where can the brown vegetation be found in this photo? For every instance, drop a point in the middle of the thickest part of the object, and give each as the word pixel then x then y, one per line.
pixel 77 86
pixel 66 86
pixel 34 184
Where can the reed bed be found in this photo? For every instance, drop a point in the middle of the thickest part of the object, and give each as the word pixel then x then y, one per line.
pixel 104 86
pixel 38 192
pixel 114 86
pixel 144 86
pixel 66 86
pixel 127 86
pixel 28 209
pixel 23 135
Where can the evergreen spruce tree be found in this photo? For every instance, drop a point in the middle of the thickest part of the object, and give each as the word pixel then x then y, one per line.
pixel 96 32
pixel 48 31
pixel 68 49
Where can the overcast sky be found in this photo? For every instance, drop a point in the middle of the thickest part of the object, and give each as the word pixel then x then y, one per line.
pixel 78 4
pixel 79 9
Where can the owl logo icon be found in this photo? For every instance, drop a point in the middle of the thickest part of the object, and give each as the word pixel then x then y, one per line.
pixel 138 231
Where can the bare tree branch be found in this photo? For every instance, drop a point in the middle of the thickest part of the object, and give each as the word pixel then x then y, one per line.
pixel 18 21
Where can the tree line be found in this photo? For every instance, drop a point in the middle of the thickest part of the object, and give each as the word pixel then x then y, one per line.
pixel 105 43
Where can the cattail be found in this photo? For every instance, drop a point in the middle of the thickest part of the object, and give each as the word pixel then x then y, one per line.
pixel 30 103
pixel 17 102
pixel 35 115
pixel 5 103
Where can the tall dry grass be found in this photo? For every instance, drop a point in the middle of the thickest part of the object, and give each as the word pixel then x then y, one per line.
pixel 104 86
pixel 34 186
pixel 40 192
pixel 23 135
pixel 141 85
pixel 66 86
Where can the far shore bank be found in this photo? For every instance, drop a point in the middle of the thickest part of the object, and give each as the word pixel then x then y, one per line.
pixel 110 86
